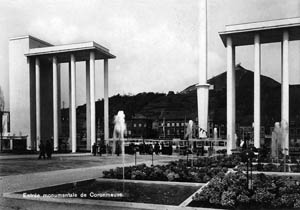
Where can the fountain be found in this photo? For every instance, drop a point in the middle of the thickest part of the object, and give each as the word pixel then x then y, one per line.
pixel 276 141
pixel 188 136
pixel 280 140
pixel 215 136
pixel 118 136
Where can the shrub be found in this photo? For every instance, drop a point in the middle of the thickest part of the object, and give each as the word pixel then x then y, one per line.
pixel 232 191
pixel 297 204
pixel 295 168
pixel 289 200
pixel 276 203
pixel 243 199
pixel 212 192
pixel 174 171
pixel 228 199
pixel 171 176
pixel 263 196
pixel 270 167
pixel 260 167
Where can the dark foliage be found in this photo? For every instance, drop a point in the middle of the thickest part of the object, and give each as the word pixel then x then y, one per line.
pixel 231 191
pixel 180 171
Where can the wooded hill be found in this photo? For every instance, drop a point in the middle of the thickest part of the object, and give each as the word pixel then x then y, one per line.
pixel 184 104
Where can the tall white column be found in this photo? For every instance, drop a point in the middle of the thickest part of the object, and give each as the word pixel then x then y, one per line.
pixel 230 96
pixel 257 70
pixel 55 103
pixel 202 87
pixel 70 108
pixel 38 103
pixel 73 102
pixel 30 141
pixel 88 107
pixel 106 102
pixel 59 99
pixel 285 87
pixel 92 98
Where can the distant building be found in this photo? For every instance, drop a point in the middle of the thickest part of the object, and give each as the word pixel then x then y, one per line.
pixel 140 127
pixel 172 125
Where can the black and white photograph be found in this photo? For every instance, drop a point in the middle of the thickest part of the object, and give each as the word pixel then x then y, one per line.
pixel 150 104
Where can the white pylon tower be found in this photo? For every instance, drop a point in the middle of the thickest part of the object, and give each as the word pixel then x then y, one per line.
pixel 202 87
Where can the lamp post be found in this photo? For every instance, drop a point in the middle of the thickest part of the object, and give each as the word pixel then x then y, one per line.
pixel 152 155
pixel 134 149
pixel 284 159
pixel 249 155
pixel 187 152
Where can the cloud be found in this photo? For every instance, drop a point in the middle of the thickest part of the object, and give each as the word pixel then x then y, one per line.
pixel 54 28
pixel 155 41
pixel 156 60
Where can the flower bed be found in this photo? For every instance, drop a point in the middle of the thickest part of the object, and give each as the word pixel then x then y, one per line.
pixel 231 191
pixel 222 161
pixel 271 167
pixel 178 171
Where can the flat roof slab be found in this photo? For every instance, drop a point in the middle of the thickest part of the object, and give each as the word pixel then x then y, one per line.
pixel 32 38
pixel 270 31
pixel 80 50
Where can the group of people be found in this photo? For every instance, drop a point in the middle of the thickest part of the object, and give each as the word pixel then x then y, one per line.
pixel 45 149
pixel 149 148
pixel 100 149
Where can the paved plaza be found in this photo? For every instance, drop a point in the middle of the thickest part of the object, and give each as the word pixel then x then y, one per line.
pixel 13 165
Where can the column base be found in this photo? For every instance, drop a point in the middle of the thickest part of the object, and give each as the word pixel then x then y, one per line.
pixel 202 101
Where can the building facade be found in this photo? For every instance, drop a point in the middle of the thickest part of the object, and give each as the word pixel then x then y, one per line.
pixel 34 74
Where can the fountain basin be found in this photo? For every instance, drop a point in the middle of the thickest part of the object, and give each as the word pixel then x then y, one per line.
pixel 110 192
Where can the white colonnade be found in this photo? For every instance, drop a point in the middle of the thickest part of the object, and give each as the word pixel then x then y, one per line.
pixel 231 122
pixel 90 97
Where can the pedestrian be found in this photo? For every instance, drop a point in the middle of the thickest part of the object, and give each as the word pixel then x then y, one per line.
pixel 94 149
pixel 161 148
pixel 118 148
pixel 42 150
pixel 99 149
pixel 156 148
pixel 170 148
pixel 108 149
pixel 49 149
pixel 151 149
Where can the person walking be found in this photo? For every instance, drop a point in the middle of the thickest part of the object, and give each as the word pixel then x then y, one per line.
pixel 42 150
pixel 156 148
pixel 170 148
pixel 49 149
pixel 94 149
pixel 99 149
pixel 118 148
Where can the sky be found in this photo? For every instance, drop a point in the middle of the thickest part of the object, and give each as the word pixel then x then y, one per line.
pixel 155 41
